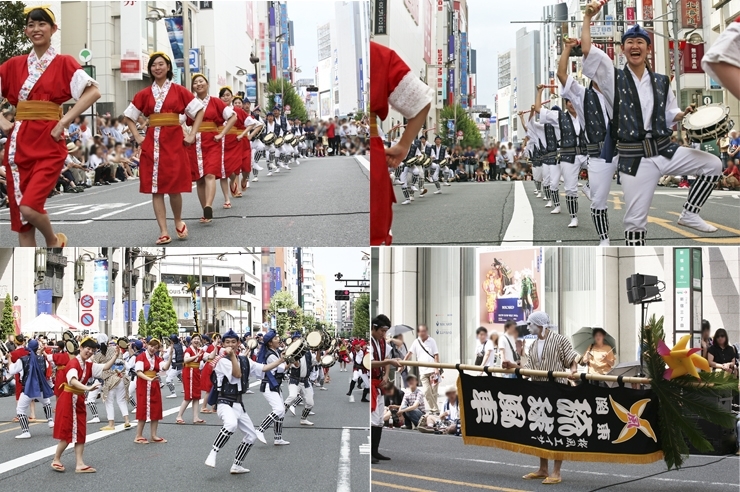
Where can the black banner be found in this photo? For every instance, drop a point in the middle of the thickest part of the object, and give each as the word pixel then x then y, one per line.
pixel 555 421
pixel 381 17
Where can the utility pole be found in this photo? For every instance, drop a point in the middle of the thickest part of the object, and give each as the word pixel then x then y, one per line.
pixel 674 6
pixel 300 277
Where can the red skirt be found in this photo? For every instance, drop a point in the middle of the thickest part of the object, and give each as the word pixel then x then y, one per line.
pixel 148 400
pixel 191 383
pixel 232 154
pixel 170 174
pixel 210 159
pixel 70 420
pixel 382 196
pixel 246 156
pixel 205 378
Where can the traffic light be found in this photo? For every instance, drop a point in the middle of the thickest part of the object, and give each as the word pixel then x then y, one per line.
pixel 338 276
pixel 341 295
pixel 641 287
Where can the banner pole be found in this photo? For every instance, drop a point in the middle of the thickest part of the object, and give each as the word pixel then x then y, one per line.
pixel 526 372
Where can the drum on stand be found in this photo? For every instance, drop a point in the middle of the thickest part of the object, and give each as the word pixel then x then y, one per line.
pixel 279 141
pixel 269 139
pixel 707 123
pixel 295 350
pixel 366 361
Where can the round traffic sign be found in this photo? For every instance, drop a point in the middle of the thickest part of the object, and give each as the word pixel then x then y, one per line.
pixel 87 319
pixel 186 315
pixel 85 55
pixel 87 301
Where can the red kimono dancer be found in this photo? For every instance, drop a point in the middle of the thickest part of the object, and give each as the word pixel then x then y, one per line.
pixel 33 159
pixel 392 83
pixel 148 393
pixel 232 147
pixel 242 149
pixel 205 376
pixel 206 155
pixel 70 424
pixel 191 376
pixel 61 361
pixel 13 357
pixel 163 165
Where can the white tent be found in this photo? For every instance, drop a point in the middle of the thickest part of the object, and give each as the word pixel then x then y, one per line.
pixel 49 323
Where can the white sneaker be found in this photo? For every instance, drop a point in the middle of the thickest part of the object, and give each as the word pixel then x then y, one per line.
pixel 260 436
pixel 312 412
pixel 51 424
pixel 692 220
pixel 537 194
pixel 236 470
pixel 287 167
pixel 573 222
pixel 255 179
pixel 269 174
pixel 351 399
pixel 292 410
pixel 412 199
pixel 297 162
pixel 247 185
pixel 24 435
pixel 438 192
pixel 398 182
pixel 306 422
pixel 249 392
pixel 548 204
pixel 173 395
pixel 446 184
pixel 604 242
pixel 587 191
pixel 555 210
pixel 257 166
pixel 324 388
pixel 277 170
pixel 414 188
pixel 406 201
pixel 281 442
pixel 211 460
pixel 95 420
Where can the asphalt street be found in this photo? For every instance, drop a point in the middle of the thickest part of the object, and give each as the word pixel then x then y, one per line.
pixel 321 202
pixel 325 457
pixel 428 462
pixel 494 213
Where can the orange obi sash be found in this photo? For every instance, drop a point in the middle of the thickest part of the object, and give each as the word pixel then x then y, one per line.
pixel 234 130
pixel 208 126
pixel 150 374
pixel 72 389
pixel 38 110
pixel 192 365
pixel 373 125
pixel 164 119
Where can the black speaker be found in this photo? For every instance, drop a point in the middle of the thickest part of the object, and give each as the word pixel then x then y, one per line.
pixel 723 441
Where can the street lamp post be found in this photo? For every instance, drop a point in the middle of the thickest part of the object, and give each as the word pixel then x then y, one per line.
pixel 156 14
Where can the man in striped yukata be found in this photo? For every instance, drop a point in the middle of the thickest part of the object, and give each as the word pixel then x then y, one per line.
pixel 550 352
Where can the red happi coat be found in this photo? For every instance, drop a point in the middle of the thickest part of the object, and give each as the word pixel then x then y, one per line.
pixel 70 422
pixel 168 171
pixel 206 155
pixel 148 393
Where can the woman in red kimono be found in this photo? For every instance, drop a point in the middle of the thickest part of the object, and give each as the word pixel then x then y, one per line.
pixel 232 147
pixel 148 395
pixel 70 426
pixel 207 157
pixel 37 84
pixel 191 379
pixel 61 359
pixel 163 164
pixel 211 351
pixel 392 82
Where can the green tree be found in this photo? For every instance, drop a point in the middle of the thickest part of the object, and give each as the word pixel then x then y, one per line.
pixel 7 326
pixel 362 316
pixel 292 318
pixel 290 98
pixel 142 323
pixel 162 321
pixel 13 41
pixel 471 134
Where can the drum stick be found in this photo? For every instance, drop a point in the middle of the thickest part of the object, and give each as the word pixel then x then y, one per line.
pixel 529 110
pixel 589 10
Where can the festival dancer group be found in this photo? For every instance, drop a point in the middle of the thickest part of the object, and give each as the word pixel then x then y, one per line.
pixel 221 365
pixel 190 137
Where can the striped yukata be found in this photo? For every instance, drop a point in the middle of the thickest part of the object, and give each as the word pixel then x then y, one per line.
pixel 557 355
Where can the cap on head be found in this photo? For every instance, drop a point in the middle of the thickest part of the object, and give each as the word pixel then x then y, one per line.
pixel 636 31
pixel 229 334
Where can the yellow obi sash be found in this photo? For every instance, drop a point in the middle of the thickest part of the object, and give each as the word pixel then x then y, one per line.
pixel 373 125
pixel 208 126
pixel 192 365
pixel 150 374
pixel 164 119
pixel 234 130
pixel 38 110
pixel 72 389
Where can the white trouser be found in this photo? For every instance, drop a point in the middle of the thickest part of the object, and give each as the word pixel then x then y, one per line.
pixel 92 396
pixel 24 404
pixel 257 145
pixel 286 150
pixel 546 172
pixel 295 389
pixel 275 401
pixel 569 172
pixel 234 417
pixel 357 375
pixel 434 171
pixel 639 189
pixel 376 417
pixel 600 174
pixel 132 387
pixel 117 394
pixel 172 373
pixel 537 173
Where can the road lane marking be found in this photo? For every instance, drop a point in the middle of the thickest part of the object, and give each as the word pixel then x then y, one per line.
pixel 399 487
pixel 443 480
pixel 616 200
pixel 690 235
pixel 365 163
pixel 521 227
pixel 18 429
pixel 343 473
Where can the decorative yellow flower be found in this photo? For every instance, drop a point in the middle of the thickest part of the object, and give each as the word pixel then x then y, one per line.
pixel 633 420
pixel 681 360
